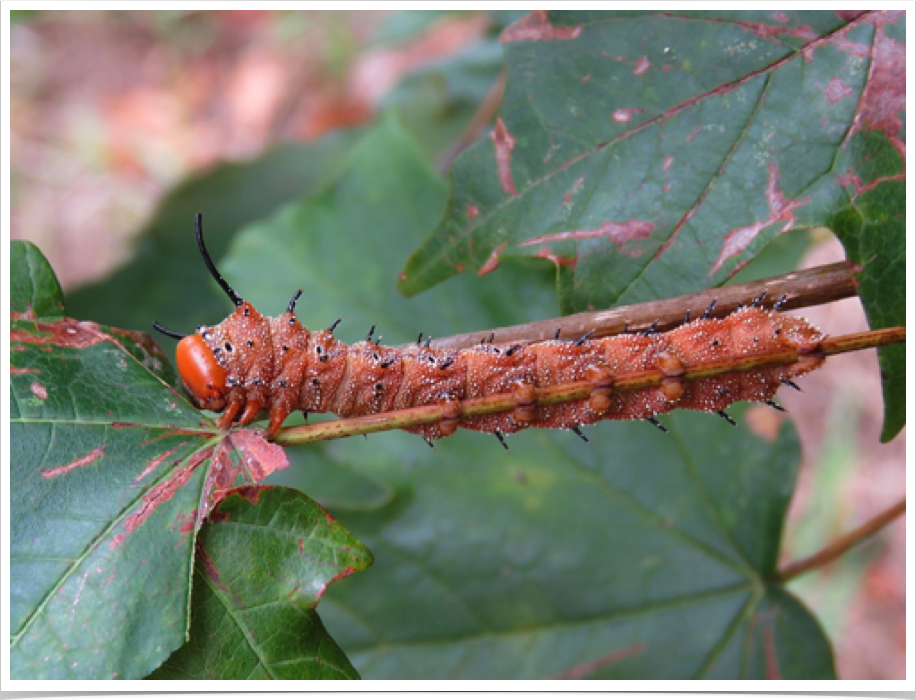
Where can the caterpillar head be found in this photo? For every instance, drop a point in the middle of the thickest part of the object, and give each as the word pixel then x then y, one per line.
pixel 210 358
pixel 203 376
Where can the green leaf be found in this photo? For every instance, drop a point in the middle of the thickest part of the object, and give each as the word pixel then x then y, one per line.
pixel 871 231
pixel 264 559
pixel 650 155
pixel 650 551
pixel 653 553
pixel 871 224
pixel 101 537
pixel 34 289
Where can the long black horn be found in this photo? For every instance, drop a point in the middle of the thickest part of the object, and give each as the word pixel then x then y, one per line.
pixel 198 226
pixel 166 331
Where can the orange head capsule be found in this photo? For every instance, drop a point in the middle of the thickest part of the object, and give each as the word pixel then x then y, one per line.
pixel 200 371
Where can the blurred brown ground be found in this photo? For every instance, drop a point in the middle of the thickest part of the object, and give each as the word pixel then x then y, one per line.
pixel 109 110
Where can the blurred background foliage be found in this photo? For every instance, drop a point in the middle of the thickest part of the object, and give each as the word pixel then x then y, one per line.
pixel 125 123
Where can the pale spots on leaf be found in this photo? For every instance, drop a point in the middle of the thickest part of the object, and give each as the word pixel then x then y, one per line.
pixel 619 233
pixel 836 90
pixel 97 453
pixel 503 143
pixel 780 209
pixel 473 211
pixel 642 65
pixel 493 261
pixel 741 48
pixel 625 114
pixel 38 390
pixel 667 163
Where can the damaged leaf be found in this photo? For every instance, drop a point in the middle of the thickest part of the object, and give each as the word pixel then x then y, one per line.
pixel 654 154
pixel 264 559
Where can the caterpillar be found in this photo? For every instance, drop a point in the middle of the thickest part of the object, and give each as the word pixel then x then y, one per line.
pixel 251 363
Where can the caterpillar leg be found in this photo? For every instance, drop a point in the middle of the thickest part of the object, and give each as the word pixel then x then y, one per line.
pixel 231 411
pixel 278 414
pixel 251 410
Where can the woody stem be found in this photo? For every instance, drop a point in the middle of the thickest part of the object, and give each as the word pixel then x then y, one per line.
pixel 840 546
pixel 811 287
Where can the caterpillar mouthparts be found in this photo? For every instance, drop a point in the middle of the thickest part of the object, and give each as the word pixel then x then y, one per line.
pixel 250 362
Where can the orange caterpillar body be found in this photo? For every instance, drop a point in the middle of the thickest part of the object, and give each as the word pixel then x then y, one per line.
pixel 249 363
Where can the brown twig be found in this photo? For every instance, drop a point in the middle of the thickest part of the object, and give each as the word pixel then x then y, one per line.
pixel 839 547
pixel 811 287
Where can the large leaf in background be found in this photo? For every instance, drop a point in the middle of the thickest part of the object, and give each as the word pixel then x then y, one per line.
pixel 345 245
pixel 112 472
pixel 652 154
pixel 641 555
